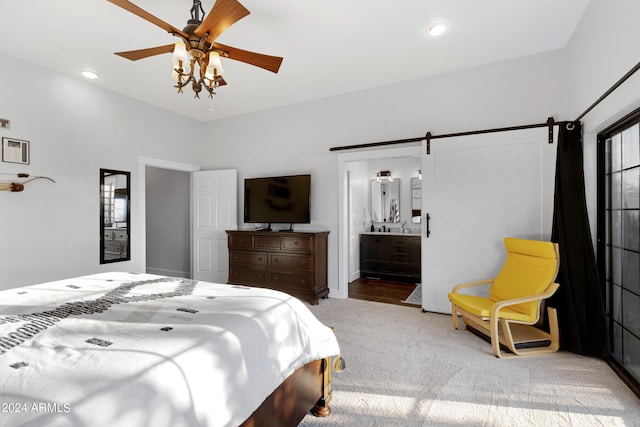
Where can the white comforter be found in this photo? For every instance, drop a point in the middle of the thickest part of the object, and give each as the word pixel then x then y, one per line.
pixel 147 350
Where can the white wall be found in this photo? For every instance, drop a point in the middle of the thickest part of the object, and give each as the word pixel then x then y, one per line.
pixel 297 138
pixel 602 50
pixel 51 231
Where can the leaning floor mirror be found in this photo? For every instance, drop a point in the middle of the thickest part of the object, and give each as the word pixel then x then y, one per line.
pixel 115 224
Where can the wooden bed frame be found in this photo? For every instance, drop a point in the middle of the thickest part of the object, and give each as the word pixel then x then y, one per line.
pixel 308 389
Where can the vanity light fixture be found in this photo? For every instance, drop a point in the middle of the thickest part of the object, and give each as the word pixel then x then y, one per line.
pixel 420 174
pixel 437 29
pixel 384 176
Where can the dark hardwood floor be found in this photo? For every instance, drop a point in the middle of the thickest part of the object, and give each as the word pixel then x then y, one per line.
pixel 381 291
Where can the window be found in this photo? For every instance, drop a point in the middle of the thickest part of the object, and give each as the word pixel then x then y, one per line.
pixel 619 241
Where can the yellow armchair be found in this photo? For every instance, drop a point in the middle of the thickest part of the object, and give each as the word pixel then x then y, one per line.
pixel 516 297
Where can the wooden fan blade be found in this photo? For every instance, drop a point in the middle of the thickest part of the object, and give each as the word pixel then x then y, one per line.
pixel 130 7
pixel 222 82
pixel 223 14
pixel 267 62
pixel 134 55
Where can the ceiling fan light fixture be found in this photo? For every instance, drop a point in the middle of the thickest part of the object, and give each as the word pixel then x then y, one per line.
pixel 179 52
pixel 179 60
pixel 195 55
pixel 437 29
pixel 214 66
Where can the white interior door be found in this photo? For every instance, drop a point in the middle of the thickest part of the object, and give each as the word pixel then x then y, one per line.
pixel 476 191
pixel 214 210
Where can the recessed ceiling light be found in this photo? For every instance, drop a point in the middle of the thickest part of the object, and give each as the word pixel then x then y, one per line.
pixel 437 29
pixel 89 74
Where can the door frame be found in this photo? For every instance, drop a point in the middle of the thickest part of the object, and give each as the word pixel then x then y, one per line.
pixel 406 150
pixel 141 204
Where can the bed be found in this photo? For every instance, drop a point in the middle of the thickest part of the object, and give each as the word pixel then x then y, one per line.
pixel 144 350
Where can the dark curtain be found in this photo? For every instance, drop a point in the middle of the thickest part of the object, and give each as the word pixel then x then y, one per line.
pixel 579 299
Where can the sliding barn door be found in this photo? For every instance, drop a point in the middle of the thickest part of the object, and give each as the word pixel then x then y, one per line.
pixel 215 209
pixel 476 191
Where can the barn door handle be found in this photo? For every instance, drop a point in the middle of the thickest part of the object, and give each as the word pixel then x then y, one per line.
pixel 427 218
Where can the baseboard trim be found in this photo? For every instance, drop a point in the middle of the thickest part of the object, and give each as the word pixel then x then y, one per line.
pixel 171 273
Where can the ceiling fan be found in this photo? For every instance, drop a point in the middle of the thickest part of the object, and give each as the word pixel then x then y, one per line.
pixel 196 45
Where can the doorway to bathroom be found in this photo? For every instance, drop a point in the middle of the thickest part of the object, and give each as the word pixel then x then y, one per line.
pixel 380 218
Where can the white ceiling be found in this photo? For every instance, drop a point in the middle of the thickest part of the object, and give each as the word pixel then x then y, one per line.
pixel 330 47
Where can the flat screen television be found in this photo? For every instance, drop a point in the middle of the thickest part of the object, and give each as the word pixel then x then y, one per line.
pixel 278 199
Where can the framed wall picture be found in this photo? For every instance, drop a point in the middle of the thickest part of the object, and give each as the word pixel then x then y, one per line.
pixel 15 151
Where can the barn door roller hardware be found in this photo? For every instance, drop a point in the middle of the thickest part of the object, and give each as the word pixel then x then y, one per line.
pixel 550 123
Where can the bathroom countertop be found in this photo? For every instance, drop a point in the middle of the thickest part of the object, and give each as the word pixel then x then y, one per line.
pixel 392 233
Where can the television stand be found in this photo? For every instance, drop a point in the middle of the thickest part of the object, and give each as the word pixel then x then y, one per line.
pixel 288 229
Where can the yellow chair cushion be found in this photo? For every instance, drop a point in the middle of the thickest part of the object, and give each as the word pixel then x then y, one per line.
pixel 481 307
pixel 531 266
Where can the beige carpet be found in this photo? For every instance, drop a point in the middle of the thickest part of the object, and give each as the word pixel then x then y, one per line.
pixel 408 368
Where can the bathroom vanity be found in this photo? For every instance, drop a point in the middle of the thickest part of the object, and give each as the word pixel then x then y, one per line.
pixel 390 256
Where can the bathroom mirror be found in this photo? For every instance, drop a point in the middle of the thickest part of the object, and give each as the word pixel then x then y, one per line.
pixel 385 200
pixel 115 224
pixel 416 200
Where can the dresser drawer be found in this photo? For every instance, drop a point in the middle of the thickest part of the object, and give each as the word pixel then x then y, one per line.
pixel 296 244
pixel 291 262
pixel 291 281
pixel 240 241
pixel 267 242
pixel 401 259
pixel 247 276
pixel 248 258
pixel 113 247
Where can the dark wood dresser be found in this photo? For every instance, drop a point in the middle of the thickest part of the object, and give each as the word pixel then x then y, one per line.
pixel 288 261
